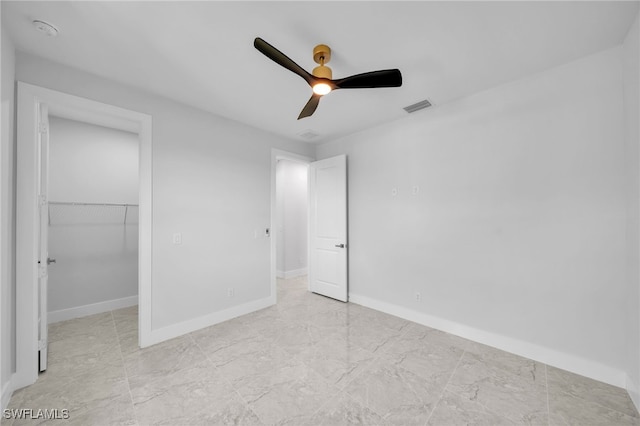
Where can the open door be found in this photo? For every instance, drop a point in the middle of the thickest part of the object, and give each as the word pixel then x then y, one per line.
pixel 328 227
pixel 43 257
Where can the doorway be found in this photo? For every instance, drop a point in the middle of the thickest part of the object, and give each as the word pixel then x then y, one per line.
pixel 292 219
pixel 92 219
pixel 327 260
pixel 35 104
pixel 289 213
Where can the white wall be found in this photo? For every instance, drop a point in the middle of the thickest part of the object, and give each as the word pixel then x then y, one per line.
pixel 92 164
pixel 291 200
pixel 211 183
pixel 96 252
pixel 631 75
pixel 517 234
pixel 7 219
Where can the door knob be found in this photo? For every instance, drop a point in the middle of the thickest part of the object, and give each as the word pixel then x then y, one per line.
pixel 50 261
pixel 340 245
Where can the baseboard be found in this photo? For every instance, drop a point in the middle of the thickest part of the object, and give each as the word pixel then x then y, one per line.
pixel 176 330
pixel 291 274
pixel 7 391
pixel 295 273
pixel 634 392
pixel 94 308
pixel 572 363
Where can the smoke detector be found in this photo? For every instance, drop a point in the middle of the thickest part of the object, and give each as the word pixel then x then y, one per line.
pixel 45 28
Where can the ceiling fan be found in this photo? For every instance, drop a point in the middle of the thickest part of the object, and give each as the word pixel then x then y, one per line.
pixel 320 79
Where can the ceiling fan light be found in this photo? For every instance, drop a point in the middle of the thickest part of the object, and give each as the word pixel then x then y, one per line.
pixel 321 88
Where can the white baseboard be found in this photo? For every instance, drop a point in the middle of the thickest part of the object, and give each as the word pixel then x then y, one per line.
pixel 291 274
pixel 552 357
pixel 176 330
pixel 94 308
pixel 7 391
pixel 294 273
pixel 634 392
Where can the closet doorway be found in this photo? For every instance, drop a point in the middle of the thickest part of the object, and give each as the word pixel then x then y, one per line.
pixel 94 201
pixel 92 219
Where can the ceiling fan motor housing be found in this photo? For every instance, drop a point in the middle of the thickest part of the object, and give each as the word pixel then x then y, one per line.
pixel 322 55
pixel 322 72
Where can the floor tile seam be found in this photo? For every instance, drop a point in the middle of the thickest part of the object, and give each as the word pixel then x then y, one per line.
pixel 247 406
pixel 546 382
pixel 588 401
pixel 229 383
pixel 364 402
pixel 329 385
pixel 366 368
pixel 341 388
pixel 327 401
pixel 485 407
pixel 126 375
pixel 399 332
pixel 444 388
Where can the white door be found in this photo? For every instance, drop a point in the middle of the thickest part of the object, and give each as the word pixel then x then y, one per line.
pixel 328 227
pixel 43 258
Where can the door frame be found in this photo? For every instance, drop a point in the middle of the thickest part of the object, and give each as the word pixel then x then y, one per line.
pixel 277 154
pixel 29 98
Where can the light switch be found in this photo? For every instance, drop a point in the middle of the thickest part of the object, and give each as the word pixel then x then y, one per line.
pixel 177 238
pixel 415 189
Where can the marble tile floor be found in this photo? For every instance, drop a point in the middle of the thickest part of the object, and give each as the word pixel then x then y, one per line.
pixel 308 360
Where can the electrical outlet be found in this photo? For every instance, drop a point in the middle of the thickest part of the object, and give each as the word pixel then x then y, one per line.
pixel 230 292
pixel 418 297
pixel 394 192
pixel 415 189
pixel 177 238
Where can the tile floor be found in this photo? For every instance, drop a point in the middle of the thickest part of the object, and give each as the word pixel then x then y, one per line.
pixel 307 361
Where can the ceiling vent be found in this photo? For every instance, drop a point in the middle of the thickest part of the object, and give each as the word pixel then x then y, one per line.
pixel 417 106
pixel 308 134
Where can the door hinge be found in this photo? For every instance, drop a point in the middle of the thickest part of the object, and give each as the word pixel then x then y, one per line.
pixel 42 200
pixel 42 344
pixel 42 127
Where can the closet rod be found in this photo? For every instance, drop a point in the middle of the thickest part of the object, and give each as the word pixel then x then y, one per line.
pixel 66 203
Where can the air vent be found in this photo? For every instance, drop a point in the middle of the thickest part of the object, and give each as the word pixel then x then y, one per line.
pixel 308 134
pixel 417 106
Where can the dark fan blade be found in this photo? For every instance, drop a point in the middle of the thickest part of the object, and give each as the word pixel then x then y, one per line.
pixel 280 58
pixel 310 107
pixel 369 80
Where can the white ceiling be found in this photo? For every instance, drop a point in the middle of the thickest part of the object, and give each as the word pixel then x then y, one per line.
pixel 202 54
